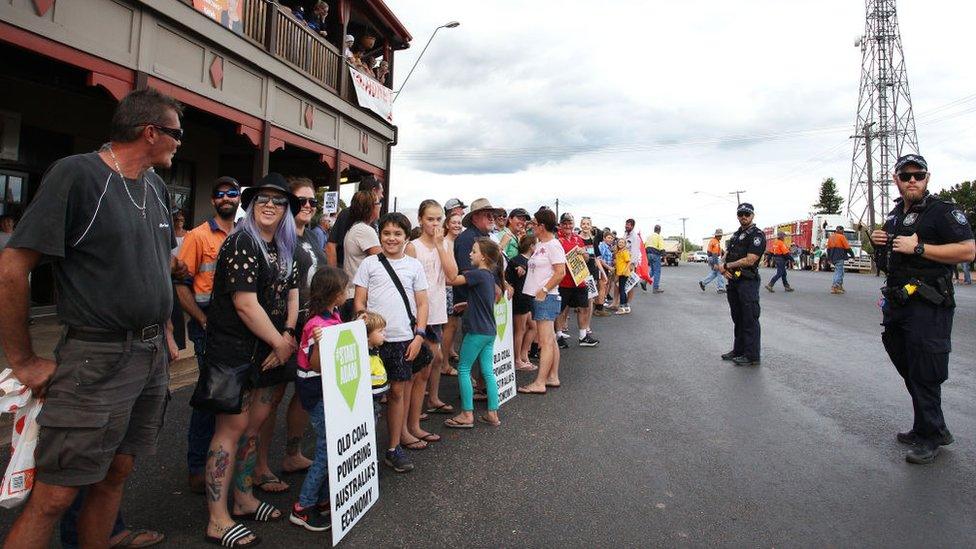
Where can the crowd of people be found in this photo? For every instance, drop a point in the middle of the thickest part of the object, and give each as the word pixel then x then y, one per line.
pixel 256 291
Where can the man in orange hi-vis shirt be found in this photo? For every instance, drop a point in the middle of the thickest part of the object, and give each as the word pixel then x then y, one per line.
pixel 838 250
pixel 780 253
pixel 714 257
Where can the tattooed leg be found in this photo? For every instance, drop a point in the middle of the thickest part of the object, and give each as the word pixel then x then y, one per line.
pixel 217 462
pixel 246 458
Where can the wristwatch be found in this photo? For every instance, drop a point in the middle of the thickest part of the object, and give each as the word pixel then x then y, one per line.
pixel 920 249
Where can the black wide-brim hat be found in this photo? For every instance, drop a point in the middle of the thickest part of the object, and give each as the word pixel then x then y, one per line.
pixel 274 181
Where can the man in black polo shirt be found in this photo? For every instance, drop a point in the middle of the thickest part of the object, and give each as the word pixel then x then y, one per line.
pixel 103 220
pixel 333 249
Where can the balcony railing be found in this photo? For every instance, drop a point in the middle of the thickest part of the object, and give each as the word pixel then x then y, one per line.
pixel 277 31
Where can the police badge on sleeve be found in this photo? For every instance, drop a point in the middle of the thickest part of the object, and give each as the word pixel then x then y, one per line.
pixel 959 217
pixel 756 241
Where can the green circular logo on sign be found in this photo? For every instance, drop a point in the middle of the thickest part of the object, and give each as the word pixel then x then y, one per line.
pixel 347 368
pixel 501 317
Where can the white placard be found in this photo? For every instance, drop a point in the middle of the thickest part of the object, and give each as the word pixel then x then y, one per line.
pixel 349 425
pixel 373 95
pixel 632 280
pixel 331 199
pixel 592 290
pixel 504 355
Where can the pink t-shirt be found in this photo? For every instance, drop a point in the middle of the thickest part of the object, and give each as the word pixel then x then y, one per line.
pixel 308 338
pixel 436 283
pixel 541 264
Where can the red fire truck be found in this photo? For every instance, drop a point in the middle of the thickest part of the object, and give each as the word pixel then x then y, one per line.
pixel 813 232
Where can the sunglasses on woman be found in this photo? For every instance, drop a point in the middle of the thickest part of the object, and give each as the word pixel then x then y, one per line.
pixel 263 199
pixel 302 201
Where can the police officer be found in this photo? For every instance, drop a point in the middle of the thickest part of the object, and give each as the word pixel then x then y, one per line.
pixel 741 268
pixel 923 237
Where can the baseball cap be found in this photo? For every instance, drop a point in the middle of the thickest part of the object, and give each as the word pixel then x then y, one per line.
pixel 224 181
pixel 907 159
pixel 454 203
pixel 745 207
pixel 519 212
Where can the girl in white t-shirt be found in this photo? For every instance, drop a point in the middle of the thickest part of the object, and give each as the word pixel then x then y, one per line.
pixel 376 291
pixel 437 257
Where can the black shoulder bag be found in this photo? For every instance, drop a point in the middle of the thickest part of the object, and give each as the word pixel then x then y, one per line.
pixel 425 356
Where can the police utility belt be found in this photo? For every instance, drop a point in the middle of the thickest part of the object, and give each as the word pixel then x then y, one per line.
pixel 931 285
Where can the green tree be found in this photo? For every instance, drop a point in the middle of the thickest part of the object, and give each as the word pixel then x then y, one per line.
pixel 830 201
pixel 964 195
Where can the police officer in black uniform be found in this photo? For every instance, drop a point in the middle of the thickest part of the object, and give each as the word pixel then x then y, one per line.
pixel 923 237
pixel 741 268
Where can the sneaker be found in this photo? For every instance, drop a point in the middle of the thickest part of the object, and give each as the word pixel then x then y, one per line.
pixel 397 460
pixel 563 342
pixel 720 291
pixel 644 285
pixel 789 288
pixel 658 291
pixel 743 361
pixel 621 311
pixel 911 439
pixel 310 519
pixel 627 309
pixel 770 288
pixel 562 334
pixel 588 341
pixel 729 355
pixel 923 455
pixel 701 285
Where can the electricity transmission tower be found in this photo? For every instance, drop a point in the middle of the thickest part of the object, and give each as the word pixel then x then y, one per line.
pixel 885 126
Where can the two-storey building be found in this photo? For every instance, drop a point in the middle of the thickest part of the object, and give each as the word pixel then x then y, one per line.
pixel 264 90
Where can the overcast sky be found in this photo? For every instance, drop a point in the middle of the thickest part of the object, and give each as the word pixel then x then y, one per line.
pixel 658 109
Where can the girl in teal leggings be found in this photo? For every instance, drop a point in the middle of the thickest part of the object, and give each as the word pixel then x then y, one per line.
pixel 484 284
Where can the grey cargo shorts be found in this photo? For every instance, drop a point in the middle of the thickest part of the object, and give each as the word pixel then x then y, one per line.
pixel 105 398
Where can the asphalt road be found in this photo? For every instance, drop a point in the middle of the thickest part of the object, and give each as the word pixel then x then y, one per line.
pixel 653 441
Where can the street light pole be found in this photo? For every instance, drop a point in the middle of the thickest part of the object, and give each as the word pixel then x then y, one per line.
pixel 684 237
pixel 451 25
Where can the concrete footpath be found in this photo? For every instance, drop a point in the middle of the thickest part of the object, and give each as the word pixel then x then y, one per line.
pixel 653 441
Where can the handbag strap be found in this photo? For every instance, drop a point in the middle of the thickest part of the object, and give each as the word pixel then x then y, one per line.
pixel 399 286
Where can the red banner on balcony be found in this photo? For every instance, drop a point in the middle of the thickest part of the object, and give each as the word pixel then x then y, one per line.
pixel 373 95
pixel 229 13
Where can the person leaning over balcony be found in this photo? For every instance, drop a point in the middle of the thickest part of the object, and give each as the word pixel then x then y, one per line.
pixel 838 250
pixel 103 220
pixel 317 20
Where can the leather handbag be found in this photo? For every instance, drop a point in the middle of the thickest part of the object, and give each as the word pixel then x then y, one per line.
pixel 425 356
pixel 220 387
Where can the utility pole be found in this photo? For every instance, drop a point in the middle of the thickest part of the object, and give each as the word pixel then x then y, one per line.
pixel 738 200
pixel 557 209
pixel 683 237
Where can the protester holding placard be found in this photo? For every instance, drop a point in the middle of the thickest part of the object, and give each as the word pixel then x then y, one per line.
pixel 326 294
pixel 484 287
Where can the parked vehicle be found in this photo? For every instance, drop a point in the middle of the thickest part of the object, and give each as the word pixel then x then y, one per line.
pixel 672 252
pixel 697 257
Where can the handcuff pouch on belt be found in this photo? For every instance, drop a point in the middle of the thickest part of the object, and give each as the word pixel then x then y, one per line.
pixel 938 292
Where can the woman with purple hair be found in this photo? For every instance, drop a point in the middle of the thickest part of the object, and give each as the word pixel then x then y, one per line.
pixel 250 337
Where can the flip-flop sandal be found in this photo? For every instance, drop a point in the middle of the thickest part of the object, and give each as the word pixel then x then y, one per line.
pixel 232 536
pixel 486 419
pixel 452 372
pixel 442 409
pixel 525 391
pixel 129 541
pixel 554 385
pixel 294 471
pixel 415 445
pixel 430 437
pixel 270 479
pixel 264 513
pixel 424 416
pixel 455 424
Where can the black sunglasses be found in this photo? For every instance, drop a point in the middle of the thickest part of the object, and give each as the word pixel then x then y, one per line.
pixel 310 201
pixel 175 133
pixel 263 199
pixel 905 177
pixel 743 214
pixel 229 193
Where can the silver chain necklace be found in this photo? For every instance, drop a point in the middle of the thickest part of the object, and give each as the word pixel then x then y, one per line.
pixel 145 191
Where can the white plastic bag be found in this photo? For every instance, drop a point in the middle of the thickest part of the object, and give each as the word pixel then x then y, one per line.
pixel 18 480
